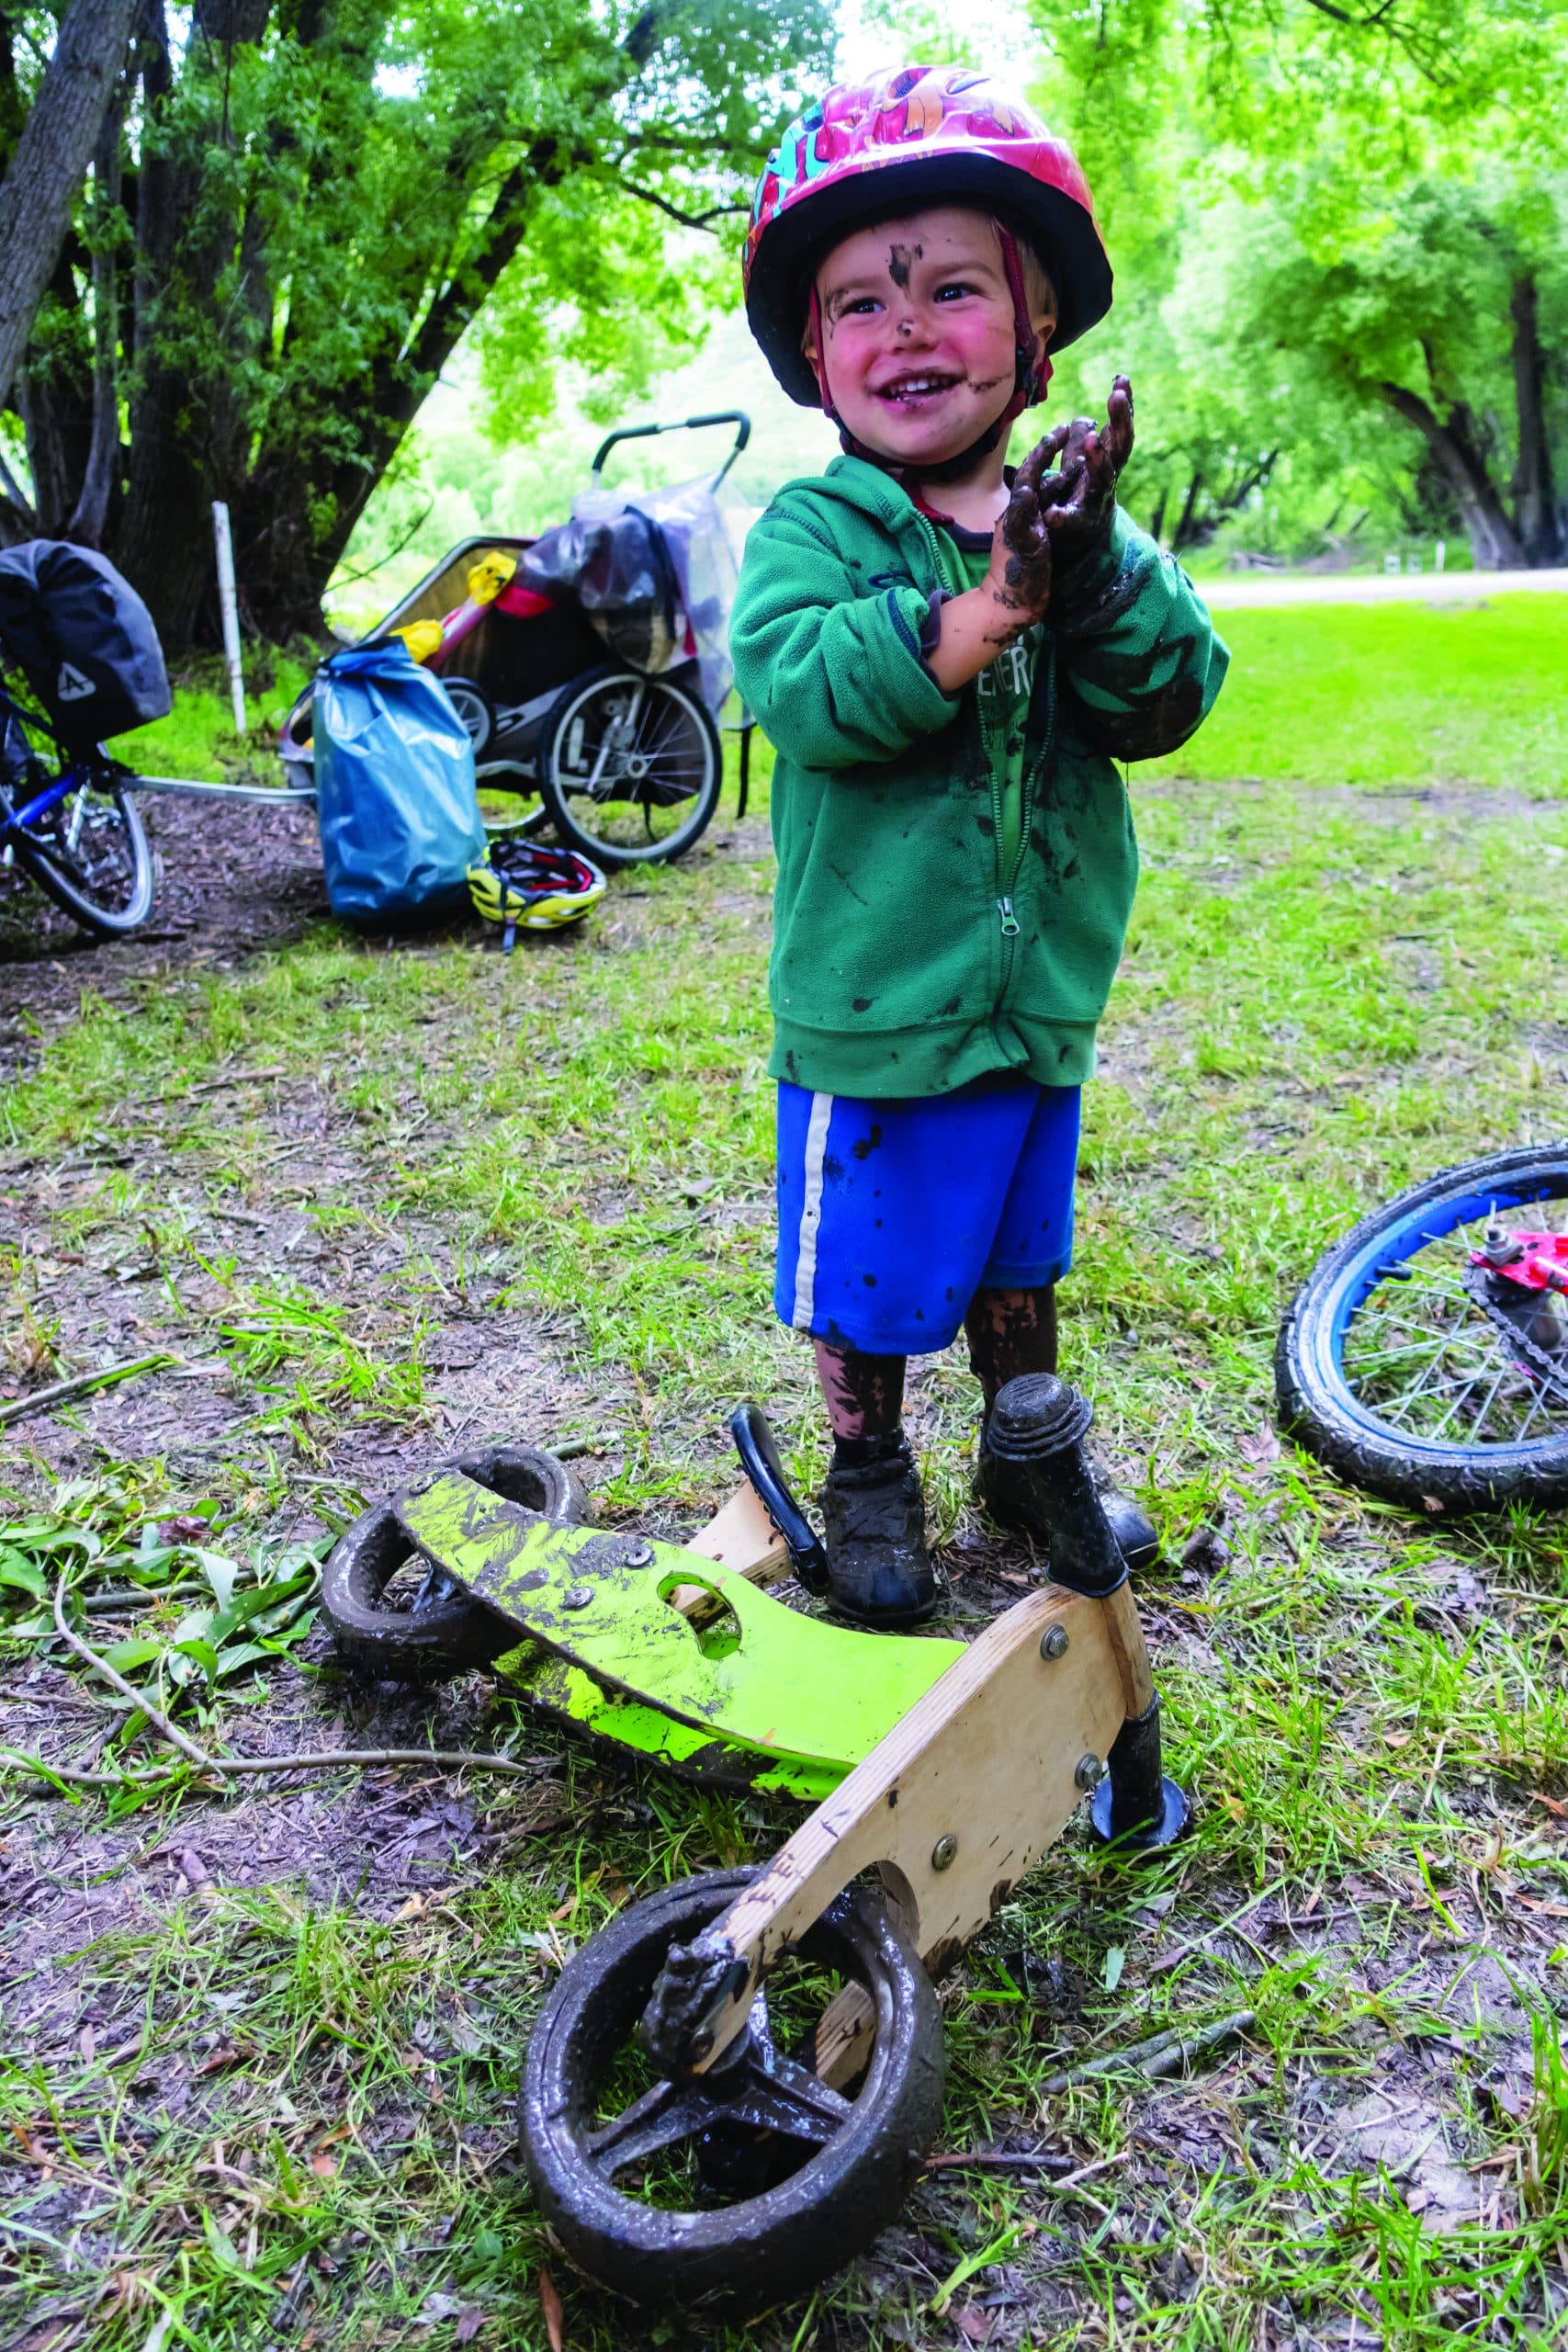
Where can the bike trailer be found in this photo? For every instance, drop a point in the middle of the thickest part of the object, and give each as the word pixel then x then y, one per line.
pixel 83 639
pixel 642 583
pixel 395 794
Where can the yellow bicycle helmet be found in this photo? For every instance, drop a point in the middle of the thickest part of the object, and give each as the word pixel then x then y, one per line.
pixel 525 886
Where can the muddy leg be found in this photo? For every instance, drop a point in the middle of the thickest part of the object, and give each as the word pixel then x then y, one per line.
pixel 865 1396
pixel 1010 1332
pixel 879 1571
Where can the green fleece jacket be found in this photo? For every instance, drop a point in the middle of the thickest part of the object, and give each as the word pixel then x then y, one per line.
pixel 906 960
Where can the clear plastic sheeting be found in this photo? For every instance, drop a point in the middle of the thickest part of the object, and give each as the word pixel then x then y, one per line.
pixel 655 573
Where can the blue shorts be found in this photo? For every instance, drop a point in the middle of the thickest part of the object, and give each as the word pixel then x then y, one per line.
pixel 892 1215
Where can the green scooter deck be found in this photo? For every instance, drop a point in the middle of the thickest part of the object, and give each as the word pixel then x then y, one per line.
pixel 788 1703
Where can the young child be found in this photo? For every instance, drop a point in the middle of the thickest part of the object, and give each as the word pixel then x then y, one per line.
pixel 947 659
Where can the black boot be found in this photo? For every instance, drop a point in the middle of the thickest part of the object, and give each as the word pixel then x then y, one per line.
pixel 1004 1479
pixel 874 1528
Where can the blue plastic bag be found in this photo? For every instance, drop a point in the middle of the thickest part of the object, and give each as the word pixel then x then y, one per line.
pixel 395 796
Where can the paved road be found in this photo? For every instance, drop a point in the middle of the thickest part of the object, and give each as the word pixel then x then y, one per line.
pixel 1231 590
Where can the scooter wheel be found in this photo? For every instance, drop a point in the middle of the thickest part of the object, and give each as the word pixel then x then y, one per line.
pixel 408 1628
pixel 743 2188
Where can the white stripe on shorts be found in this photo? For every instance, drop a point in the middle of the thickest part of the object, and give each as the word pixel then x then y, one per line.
pixel 811 1211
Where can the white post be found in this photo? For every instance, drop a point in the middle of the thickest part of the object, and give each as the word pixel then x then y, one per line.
pixel 229 602
pixel 1439 554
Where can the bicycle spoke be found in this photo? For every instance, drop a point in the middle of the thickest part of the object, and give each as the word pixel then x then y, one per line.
pixel 1422 1353
pixel 1467 1390
pixel 634 765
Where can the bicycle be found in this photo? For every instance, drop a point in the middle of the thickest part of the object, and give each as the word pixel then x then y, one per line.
pixel 68 820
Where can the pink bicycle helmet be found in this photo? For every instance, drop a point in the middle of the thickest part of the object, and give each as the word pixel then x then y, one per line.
pixel 924 135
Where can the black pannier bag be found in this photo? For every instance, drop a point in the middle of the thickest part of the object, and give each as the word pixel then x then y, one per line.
pixel 83 638
pixel 617 565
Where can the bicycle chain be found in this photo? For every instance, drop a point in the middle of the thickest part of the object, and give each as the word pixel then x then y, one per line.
pixel 1480 1281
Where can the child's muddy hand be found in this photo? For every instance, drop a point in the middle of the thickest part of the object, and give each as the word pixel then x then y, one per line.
pixel 1020 573
pixel 1078 500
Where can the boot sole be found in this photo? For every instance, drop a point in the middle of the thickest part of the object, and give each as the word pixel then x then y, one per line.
pixel 883 1621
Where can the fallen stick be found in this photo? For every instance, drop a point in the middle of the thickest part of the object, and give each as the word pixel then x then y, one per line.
pixel 306 1760
pixel 138 1595
pixel 1070 2185
pixel 1162 2053
pixel 160 1723
pixel 42 1399
pixel 998 2160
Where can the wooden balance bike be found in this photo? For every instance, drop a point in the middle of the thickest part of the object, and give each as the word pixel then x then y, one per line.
pixel 730 2086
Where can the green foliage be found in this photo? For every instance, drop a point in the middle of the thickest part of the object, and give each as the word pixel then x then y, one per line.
pixel 1323 221
pixel 167 1596
pixel 322 213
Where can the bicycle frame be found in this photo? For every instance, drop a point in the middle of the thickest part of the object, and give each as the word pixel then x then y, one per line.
pixel 14 820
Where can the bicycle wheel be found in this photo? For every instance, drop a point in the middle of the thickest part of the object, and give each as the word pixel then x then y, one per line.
pixel 745 2186
pixel 1426 1355
pixel 629 767
pixel 474 708
pixel 91 855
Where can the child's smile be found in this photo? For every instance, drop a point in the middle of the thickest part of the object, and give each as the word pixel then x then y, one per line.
pixel 919 391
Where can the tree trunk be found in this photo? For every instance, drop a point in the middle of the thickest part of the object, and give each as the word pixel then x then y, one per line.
pixel 90 514
pixel 1535 489
pixel 51 162
pixel 1185 533
pixel 1455 446
pixel 182 432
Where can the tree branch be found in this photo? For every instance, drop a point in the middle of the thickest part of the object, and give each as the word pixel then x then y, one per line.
pixel 16 497
pixel 59 136
pixel 645 34
pixel 91 512
pixel 687 219
pixel 160 1723
pixel 307 1759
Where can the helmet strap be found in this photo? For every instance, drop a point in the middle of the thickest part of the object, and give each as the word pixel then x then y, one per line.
pixel 1032 373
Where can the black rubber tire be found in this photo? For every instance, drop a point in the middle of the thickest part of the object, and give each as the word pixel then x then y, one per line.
pixel 561 803
pixel 456 1633
pixel 1319 1410
pixel 766 2249
pixel 102 922
pixel 475 708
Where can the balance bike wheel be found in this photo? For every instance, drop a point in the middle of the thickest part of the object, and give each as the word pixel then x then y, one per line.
pixel 1390 1369
pixel 439 1630
pixel 808 2177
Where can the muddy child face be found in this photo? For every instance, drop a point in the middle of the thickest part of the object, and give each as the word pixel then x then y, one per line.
pixel 917 334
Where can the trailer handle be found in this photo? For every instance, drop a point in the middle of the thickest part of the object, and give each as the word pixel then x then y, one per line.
pixel 736 416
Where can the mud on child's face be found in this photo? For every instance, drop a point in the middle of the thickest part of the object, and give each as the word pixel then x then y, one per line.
pixel 918 332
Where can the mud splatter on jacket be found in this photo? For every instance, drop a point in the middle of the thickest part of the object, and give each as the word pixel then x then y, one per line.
pixel 906 960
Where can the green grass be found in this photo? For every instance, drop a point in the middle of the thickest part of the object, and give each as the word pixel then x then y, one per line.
pixel 197 739
pixel 1327 993
pixel 1405 695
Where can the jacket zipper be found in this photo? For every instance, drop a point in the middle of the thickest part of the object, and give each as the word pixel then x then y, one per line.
pixel 1029 780
pixel 1031 777
pixel 1006 884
